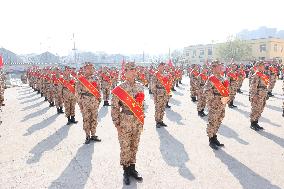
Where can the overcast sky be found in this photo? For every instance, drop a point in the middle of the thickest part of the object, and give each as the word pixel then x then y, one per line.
pixel 128 26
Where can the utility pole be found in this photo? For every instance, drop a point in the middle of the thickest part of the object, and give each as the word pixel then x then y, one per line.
pixel 74 51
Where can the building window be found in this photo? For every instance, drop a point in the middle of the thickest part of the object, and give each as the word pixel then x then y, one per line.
pixel 262 48
pixel 201 52
pixel 193 53
pixel 275 48
pixel 187 54
pixel 209 52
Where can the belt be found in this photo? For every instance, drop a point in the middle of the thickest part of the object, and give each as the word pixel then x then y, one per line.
pixel 262 87
pixel 87 94
pixel 160 87
pixel 217 94
pixel 127 112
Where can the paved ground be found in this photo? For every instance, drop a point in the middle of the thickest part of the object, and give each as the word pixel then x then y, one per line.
pixel 39 151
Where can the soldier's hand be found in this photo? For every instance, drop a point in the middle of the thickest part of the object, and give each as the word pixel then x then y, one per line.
pixel 225 100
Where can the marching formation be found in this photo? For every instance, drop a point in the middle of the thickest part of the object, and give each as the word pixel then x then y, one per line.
pixel 212 87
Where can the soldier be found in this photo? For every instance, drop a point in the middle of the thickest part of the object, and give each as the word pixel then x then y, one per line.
pixel 69 98
pixel 105 85
pixel 272 72
pixel 241 77
pixel 216 91
pixel 50 89
pixel 128 98
pixel 2 88
pixel 283 100
pixel 193 82
pixel 201 80
pixel 233 80
pixel 161 90
pixel 89 102
pixel 57 89
pixel 259 95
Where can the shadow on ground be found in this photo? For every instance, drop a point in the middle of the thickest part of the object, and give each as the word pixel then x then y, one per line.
pixel 173 153
pixel 77 173
pixel 246 177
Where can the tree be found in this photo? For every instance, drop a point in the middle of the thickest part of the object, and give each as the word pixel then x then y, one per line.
pixel 234 48
pixel 177 56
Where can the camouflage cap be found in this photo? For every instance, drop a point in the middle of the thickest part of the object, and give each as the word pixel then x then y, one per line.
pixel 129 66
pixel 87 64
pixel 260 63
pixel 215 63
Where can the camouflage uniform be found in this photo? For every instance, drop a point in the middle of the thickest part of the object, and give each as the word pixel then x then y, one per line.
pixel 241 78
pixel 69 99
pixel 258 100
pixel 89 106
pixel 160 99
pixel 272 80
pixel 50 90
pixel 2 88
pixel 106 87
pixel 233 87
pixel 193 84
pixel 58 93
pixel 200 95
pixel 129 128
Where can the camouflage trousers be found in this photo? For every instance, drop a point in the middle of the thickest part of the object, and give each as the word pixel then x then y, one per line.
pixel 69 101
pixel 160 106
pixel 193 90
pixel 201 103
pixel 58 99
pixel 129 137
pixel 90 106
pixel 106 93
pixel 257 106
pixel 216 114
pixel 1 98
pixel 272 82
pixel 240 83
pixel 233 91
pixel 50 93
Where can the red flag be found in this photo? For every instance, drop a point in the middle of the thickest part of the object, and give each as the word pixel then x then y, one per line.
pixel 1 62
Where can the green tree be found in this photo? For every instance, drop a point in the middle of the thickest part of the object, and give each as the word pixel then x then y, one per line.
pixel 234 48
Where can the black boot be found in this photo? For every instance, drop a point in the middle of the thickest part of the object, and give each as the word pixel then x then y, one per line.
pixel 201 113
pixel 106 103
pixel 69 121
pixel 212 144
pixel 283 113
pixel 173 89
pixel 231 105
pixel 217 141
pixel 258 126
pixel 45 99
pixel 95 138
pixel 158 124
pixel 73 120
pixel 270 94
pixel 180 82
pixel 134 173
pixel 88 140
pixel 163 124
pixel 126 175
pixel 176 84
pixel 51 104
pixel 253 126
pixel 38 92
pixel 61 110
pixel 168 106
pixel 41 94
pixel 193 99
pixel 58 110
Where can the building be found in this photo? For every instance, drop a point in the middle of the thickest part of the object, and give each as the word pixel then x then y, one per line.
pixel 264 48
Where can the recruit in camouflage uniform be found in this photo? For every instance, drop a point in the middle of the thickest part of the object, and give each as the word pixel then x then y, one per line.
pixel 201 80
pixel 258 96
pixel 105 85
pixel 2 88
pixel 89 103
pixel 160 97
pixel 57 89
pixel 193 83
pixel 50 88
pixel 128 126
pixel 241 77
pixel 69 99
pixel 216 103
pixel 272 72
pixel 233 80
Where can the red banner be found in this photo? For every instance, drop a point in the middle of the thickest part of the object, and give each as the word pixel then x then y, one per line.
pixel 223 88
pixel 130 102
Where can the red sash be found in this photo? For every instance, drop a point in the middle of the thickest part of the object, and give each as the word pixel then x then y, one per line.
pixel 130 102
pixel 274 70
pixel 105 77
pixel 67 85
pixel 264 77
pixel 164 81
pixel 223 89
pixel 143 79
pixel 242 73
pixel 92 87
pixel 195 73
pixel 203 76
pixel 233 76
pixel 55 80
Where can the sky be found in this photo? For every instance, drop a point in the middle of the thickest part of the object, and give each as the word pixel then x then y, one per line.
pixel 128 26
